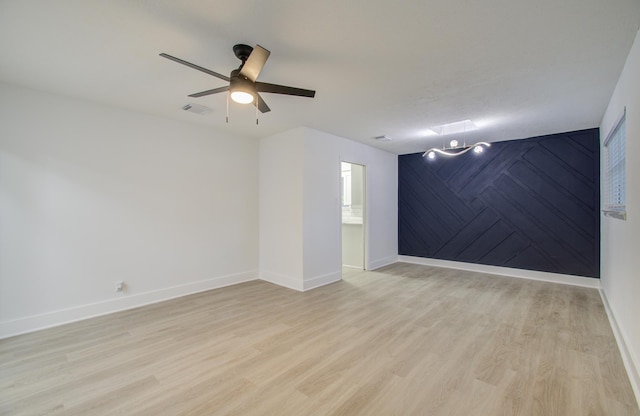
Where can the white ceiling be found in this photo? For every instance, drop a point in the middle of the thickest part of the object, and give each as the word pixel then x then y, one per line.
pixel 517 68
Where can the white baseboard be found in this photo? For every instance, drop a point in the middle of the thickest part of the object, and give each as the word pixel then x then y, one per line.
pixel 506 271
pixel 376 264
pixel 325 279
pixel 633 368
pixel 282 280
pixel 77 313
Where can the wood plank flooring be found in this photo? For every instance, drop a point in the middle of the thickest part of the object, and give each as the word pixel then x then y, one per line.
pixel 402 340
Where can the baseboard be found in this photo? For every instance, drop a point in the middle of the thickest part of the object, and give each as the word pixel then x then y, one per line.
pixel 78 313
pixel 325 279
pixel 376 264
pixel 633 368
pixel 506 271
pixel 282 280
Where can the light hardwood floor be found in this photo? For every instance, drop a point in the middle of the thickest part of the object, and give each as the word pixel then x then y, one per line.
pixel 402 340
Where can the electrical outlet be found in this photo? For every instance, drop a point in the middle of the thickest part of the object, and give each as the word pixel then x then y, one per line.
pixel 119 286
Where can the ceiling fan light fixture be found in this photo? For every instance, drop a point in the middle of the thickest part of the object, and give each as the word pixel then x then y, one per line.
pixel 242 97
pixel 242 90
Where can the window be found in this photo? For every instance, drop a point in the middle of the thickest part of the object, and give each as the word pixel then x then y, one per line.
pixel 614 186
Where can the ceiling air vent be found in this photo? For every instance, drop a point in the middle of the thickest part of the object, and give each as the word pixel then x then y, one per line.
pixel 197 109
pixel 383 138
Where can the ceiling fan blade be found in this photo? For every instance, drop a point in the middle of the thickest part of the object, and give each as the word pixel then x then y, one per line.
pixel 255 62
pixel 194 66
pixel 282 89
pixel 262 106
pixel 209 92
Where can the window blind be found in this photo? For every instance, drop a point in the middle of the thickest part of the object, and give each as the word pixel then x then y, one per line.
pixel 614 174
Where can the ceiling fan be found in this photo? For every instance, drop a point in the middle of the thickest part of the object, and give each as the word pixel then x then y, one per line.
pixel 242 81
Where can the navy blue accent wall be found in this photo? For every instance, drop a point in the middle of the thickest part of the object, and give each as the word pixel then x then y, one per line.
pixel 528 204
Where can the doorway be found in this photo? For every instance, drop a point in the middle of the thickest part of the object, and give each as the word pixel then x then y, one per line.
pixel 352 178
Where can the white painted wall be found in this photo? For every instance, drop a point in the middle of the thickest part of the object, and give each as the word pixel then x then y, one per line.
pixel 281 177
pixel 90 194
pixel 621 239
pixel 322 211
pixel 382 200
pixel 300 187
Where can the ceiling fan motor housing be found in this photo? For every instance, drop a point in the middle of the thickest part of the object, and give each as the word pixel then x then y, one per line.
pixel 242 51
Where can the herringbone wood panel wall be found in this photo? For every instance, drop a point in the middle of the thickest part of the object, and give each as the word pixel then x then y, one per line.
pixel 530 204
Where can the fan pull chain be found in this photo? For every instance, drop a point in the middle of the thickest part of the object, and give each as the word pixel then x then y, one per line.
pixel 228 107
pixel 256 112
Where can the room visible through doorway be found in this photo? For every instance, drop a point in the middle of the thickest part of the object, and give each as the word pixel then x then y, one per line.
pixel 353 215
